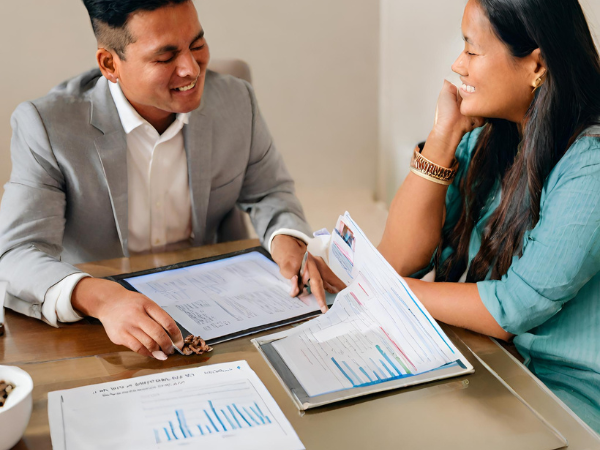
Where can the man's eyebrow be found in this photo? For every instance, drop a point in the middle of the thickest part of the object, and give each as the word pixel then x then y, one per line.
pixel 166 49
pixel 173 48
pixel 199 36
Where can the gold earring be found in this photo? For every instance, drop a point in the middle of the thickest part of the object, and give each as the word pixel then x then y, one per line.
pixel 537 83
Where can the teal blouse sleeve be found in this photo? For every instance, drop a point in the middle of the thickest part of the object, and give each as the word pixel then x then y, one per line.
pixel 453 199
pixel 561 253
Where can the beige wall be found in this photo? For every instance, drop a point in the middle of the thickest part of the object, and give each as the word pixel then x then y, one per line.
pixel 315 69
pixel 44 42
pixel 419 42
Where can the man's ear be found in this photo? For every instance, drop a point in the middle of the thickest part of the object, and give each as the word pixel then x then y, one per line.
pixel 108 63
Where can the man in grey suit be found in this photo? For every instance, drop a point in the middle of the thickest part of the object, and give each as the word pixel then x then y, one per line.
pixel 149 152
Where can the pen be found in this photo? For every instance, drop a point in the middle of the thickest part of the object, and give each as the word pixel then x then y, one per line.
pixel 301 272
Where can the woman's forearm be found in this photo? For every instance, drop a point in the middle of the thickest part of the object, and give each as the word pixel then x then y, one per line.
pixel 414 225
pixel 457 304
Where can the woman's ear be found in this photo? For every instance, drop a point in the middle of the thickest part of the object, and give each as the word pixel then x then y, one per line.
pixel 537 66
pixel 108 64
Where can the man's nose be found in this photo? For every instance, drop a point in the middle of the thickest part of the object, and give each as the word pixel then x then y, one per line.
pixel 188 67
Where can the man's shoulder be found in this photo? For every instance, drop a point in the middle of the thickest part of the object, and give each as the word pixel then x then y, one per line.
pixel 223 83
pixel 69 94
pixel 226 91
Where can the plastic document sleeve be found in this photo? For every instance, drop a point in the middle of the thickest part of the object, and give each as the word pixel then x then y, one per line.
pixel 304 401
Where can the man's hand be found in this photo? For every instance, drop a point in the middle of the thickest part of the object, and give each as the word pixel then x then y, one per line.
pixel 288 252
pixel 129 318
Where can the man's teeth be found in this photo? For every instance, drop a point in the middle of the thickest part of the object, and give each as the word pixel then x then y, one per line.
pixel 467 88
pixel 186 88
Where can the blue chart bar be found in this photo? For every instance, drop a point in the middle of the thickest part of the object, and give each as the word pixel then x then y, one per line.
pixel 366 374
pixel 216 415
pixel 233 427
pixel 387 358
pixel 380 372
pixel 221 420
pixel 234 417
pixel 343 372
pixel 173 430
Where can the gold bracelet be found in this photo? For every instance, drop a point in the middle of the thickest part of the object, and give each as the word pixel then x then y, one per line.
pixel 430 178
pixel 431 171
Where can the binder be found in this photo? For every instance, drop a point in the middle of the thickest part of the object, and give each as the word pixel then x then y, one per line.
pixel 304 401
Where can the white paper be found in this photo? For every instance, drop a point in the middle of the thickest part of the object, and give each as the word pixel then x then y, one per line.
pixel 377 330
pixel 224 297
pixel 221 406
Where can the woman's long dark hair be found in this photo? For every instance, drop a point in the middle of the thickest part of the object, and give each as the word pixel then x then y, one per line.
pixel 566 104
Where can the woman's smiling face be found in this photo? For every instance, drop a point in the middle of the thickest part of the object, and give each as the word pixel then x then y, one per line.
pixel 495 84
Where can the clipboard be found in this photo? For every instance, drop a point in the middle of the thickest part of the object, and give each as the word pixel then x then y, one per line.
pixel 122 280
pixel 303 401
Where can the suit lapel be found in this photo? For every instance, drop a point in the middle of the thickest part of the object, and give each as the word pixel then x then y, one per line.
pixel 112 150
pixel 197 135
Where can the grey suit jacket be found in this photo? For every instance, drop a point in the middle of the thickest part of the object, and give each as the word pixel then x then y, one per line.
pixel 66 201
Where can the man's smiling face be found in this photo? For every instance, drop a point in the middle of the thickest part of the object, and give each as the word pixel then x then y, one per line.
pixel 164 67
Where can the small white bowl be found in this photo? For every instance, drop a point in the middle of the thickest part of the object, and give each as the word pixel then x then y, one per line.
pixel 15 414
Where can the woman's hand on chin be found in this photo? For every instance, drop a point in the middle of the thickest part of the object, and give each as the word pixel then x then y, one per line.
pixel 450 125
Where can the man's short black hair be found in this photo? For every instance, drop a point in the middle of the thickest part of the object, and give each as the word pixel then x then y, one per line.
pixel 109 19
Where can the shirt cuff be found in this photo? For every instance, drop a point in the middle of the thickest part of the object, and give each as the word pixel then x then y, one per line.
pixel 57 301
pixel 317 246
pixel 489 297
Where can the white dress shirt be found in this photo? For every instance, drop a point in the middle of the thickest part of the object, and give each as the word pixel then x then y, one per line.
pixel 160 211
pixel 158 197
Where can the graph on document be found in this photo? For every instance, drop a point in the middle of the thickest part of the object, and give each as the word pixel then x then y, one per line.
pixel 208 411
pixel 223 406
pixel 217 420
pixel 349 354
pixel 372 335
pixel 376 366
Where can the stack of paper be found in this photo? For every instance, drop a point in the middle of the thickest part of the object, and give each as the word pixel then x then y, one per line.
pixel 377 330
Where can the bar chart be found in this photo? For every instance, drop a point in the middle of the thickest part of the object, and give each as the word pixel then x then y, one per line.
pixel 225 419
pixel 224 406
pixel 203 412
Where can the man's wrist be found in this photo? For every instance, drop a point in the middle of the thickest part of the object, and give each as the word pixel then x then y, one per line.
pixel 90 295
pixel 299 235
pixel 278 241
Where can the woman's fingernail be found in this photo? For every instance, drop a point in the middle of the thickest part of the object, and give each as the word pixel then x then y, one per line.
pixel 324 309
pixel 159 355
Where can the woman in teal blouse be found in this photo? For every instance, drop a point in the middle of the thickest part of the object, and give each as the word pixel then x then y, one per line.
pixel 517 231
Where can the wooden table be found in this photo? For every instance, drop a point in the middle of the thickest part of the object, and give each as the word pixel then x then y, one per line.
pixel 80 354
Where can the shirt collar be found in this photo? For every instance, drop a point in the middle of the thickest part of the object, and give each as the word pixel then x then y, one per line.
pixel 130 118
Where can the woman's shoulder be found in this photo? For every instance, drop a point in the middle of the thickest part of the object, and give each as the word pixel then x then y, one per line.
pixel 585 150
pixel 581 160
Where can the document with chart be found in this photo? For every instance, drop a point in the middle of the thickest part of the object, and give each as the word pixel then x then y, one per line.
pixel 225 298
pixel 377 335
pixel 221 406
